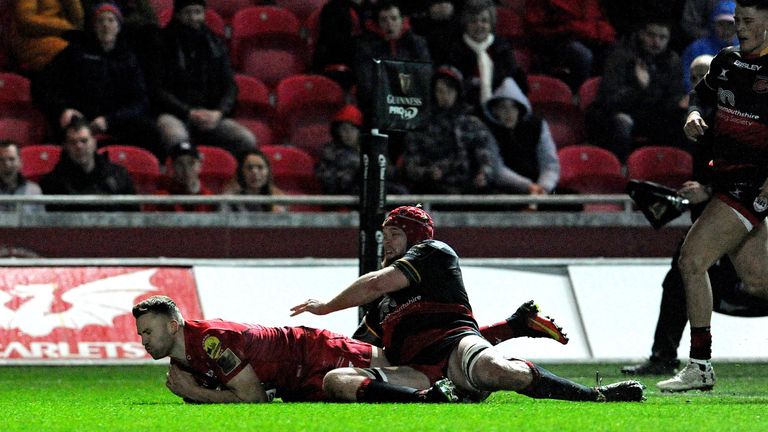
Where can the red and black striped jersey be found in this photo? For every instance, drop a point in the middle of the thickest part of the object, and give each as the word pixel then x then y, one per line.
pixel 736 86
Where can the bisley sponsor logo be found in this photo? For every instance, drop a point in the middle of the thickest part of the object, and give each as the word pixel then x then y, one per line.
pixel 748 66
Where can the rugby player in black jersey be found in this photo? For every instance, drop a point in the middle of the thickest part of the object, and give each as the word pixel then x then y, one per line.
pixel 733 222
pixel 430 333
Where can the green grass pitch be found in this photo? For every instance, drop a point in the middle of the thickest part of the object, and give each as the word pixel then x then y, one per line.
pixel 134 398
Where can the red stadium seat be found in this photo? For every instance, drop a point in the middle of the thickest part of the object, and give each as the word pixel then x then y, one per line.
pixel 552 100
pixel 141 164
pixel 587 169
pixel 294 173
pixel 669 166
pixel 544 89
pixel 510 24
pixel 301 8
pixel 312 28
pixel 38 160
pixel 305 106
pixel 21 121
pixel 254 109
pixel 588 92
pixel 523 58
pixel 160 5
pixel 227 8
pixel 267 43
pixel 292 168
pixel 218 167
pixel 213 20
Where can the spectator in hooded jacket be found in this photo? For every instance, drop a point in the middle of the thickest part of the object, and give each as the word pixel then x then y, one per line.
pixel 99 78
pixel 531 165
pixel 38 29
pixel 194 86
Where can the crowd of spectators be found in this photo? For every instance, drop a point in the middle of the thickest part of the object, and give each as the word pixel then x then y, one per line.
pixel 114 69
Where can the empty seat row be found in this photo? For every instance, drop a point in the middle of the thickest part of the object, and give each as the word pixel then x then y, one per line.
pixel 587 169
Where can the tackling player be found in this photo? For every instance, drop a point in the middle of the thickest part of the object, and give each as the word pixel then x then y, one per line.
pixel 429 331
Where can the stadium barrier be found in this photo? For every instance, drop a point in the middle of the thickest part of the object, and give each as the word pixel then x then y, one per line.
pixel 75 311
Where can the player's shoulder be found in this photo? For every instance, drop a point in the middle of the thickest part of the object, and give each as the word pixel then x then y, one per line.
pixel 727 55
pixel 216 325
pixel 432 247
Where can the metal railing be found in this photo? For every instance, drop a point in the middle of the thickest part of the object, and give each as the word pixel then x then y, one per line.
pixel 428 201
pixel 320 211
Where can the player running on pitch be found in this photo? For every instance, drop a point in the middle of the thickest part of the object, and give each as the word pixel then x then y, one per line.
pixel 430 333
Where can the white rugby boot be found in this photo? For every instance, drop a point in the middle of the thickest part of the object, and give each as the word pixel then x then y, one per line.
pixel 695 376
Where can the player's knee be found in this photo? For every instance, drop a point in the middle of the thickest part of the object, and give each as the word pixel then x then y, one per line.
pixel 333 382
pixel 756 285
pixel 494 373
pixel 691 263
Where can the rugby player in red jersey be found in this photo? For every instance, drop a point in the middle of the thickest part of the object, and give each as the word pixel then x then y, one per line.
pixel 429 332
pixel 216 361
pixel 733 222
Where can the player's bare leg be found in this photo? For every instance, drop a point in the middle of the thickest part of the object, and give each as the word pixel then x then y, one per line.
pixel 475 366
pixel 717 232
pixel 750 260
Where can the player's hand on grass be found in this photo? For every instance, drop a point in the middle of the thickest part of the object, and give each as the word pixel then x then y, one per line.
pixel 180 382
pixel 312 306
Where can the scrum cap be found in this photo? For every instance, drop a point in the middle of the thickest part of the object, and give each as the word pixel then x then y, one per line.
pixel 416 223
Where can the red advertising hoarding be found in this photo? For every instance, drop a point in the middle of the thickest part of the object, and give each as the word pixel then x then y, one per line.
pixel 81 314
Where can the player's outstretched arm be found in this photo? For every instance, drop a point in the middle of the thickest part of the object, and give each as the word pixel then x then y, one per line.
pixel 245 387
pixel 365 289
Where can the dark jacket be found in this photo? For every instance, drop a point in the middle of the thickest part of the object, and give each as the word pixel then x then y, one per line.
pixel 620 91
pixel 372 45
pixel 193 72
pixel 341 21
pixel 95 82
pixel 68 178
pixel 504 65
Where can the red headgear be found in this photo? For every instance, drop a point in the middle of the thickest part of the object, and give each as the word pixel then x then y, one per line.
pixel 416 223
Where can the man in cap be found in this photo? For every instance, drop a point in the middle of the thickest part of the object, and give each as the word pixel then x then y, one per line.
pixel 430 332
pixel 193 84
pixel 184 179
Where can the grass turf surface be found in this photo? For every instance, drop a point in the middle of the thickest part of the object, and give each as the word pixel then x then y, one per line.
pixel 135 398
